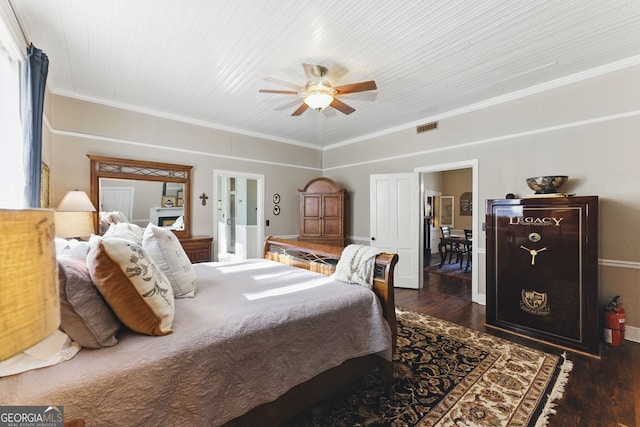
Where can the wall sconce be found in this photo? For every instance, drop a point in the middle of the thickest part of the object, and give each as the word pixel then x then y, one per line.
pixel 74 216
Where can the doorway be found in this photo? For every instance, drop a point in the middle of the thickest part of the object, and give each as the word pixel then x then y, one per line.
pixel 393 226
pixel 429 209
pixel 475 226
pixel 238 218
pixel 118 199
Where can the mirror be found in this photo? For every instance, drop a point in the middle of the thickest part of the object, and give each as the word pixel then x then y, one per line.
pixel 446 211
pixel 142 192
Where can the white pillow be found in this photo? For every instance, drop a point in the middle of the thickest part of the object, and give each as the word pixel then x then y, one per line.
pixel 113 217
pixel 165 250
pixel 126 231
pixel 64 245
pixel 54 349
pixel 61 244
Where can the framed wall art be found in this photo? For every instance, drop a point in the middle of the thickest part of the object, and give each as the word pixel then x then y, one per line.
pixel 466 204
pixel 45 176
pixel 168 201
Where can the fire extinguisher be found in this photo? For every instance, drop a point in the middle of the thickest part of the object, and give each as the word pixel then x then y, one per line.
pixel 614 323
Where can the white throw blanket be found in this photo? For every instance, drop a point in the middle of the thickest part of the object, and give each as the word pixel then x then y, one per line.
pixel 356 265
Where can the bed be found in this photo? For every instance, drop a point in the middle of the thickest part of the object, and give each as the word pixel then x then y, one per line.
pixel 261 340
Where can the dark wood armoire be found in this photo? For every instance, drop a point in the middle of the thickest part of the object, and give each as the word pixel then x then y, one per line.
pixel 322 212
pixel 542 269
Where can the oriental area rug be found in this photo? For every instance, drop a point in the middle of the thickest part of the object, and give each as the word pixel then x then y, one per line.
pixel 449 375
pixel 451 270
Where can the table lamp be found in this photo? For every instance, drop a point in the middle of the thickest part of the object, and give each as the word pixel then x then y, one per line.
pixel 29 300
pixel 74 216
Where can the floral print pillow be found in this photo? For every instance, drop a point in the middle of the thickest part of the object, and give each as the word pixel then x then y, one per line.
pixel 137 291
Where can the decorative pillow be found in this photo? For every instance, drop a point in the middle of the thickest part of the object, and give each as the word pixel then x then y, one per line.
pixel 108 218
pixel 126 231
pixel 77 249
pixel 133 285
pixel 166 251
pixel 85 316
pixel 77 246
pixel 113 217
pixel 61 244
pixel 94 239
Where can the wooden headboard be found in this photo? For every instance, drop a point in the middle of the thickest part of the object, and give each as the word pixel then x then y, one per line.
pixel 323 259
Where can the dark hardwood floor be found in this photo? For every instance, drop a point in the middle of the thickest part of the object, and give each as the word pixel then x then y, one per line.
pixel 600 393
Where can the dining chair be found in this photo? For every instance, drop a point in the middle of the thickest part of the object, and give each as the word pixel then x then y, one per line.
pixel 466 249
pixel 446 244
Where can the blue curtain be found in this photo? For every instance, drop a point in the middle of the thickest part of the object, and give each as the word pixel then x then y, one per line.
pixel 36 79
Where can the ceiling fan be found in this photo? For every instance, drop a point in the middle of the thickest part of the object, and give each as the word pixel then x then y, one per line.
pixel 319 93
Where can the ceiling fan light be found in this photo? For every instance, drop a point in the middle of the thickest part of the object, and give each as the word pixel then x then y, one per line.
pixel 318 101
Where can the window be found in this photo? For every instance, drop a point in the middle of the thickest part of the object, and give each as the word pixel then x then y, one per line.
pixel 11 160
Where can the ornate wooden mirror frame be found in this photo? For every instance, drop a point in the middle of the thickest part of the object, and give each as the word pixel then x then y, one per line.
pixel 140 170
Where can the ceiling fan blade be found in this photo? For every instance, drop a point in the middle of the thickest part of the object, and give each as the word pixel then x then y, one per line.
pixel 282 82
pixel 341 106
pixel 308 70
pixel 301 109
pixel 288 105
pixel 287 92
pixel 368 96
pixel 336 73
pixel 357 87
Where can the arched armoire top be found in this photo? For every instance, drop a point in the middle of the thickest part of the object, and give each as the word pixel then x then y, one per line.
pixel 321 185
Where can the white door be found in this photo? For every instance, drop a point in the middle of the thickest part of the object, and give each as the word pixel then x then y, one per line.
pixel 117 199
pixel 395 224
pixel 239 203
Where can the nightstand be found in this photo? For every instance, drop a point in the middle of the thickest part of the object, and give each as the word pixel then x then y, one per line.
pixel 198 248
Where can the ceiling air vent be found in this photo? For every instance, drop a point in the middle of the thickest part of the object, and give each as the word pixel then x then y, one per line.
pixel 427 127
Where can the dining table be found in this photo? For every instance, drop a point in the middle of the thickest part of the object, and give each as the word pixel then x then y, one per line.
pixel 453 244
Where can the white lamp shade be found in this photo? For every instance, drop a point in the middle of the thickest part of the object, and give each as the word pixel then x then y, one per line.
pixel 74 216
pixel 74 224
pixel 318 101
pixel 76 201
pixel 29 299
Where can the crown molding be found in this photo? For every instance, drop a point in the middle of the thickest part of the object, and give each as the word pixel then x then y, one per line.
pixel 573 78
pixel 178 118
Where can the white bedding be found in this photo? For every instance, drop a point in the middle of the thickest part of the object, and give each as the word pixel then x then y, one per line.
pixel 254 330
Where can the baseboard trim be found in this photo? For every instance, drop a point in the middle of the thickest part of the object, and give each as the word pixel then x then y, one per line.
pixel 631 333
pixel 619 264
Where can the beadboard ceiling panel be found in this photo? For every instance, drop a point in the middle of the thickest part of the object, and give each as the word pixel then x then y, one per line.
pixel 204 61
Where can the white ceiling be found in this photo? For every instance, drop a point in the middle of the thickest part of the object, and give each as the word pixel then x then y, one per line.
pixel 205 60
